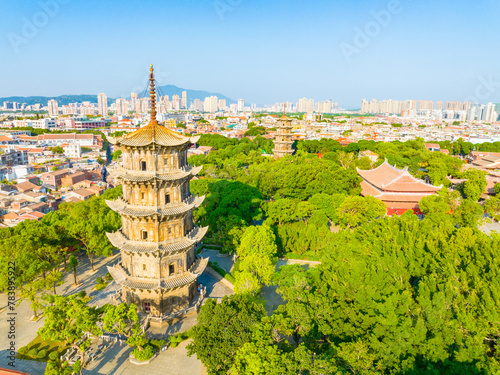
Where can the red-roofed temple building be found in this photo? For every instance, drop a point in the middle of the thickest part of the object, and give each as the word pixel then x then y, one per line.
pixel 397 188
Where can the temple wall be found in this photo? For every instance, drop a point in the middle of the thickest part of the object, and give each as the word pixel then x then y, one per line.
pixel 146 195
pixel 169 302
pixel 168 229
pixel 150 266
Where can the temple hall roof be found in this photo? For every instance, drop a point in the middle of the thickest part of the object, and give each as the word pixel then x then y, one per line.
pixel 388 178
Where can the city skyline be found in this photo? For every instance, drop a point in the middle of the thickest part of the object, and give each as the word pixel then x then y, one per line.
pixel 241 59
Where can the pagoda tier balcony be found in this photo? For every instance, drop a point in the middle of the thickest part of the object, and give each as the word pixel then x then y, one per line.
pixel 284 127
pixel 275 151
pixel 121 276
pixel 144 176
pixel 283 142
pixel 123 208
pixel 120 241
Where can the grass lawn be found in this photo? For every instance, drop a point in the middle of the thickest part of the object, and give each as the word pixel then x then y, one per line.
pixel 39 343
pixel 305 256
pixel 222 272
pixel 101 286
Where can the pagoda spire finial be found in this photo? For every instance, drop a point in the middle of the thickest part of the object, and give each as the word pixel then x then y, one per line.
pixel 152 96
pixel 284 109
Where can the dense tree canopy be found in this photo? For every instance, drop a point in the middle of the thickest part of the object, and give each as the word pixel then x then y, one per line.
pixel 229 207
pixel 257 253
pixel 222 328
pixel 395 296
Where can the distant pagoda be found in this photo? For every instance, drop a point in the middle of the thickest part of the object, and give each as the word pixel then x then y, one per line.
pixel 158 269
pixel 283 139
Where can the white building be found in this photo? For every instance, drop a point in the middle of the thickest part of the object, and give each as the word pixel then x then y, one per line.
pixel 53 108
pixel 241 105
pixel 102 104
pixel 44 123
pixel 121 107
pixel 73 150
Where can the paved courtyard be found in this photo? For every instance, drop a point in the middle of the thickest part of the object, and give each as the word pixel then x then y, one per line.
pixel 490 227
pixel 171 361
pixel 225 262
pixel 114 360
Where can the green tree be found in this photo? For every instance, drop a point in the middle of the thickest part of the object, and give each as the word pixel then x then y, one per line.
pixel 468 213
pixel 433 204
pixel 124 320
pixel 475 184
pixel 35 248
pixel 73 263
pixel 67 319
pixel 225 326
pixel 401 295
pixel 492 207
pixel 57 150
pixel 88 221
pixel 257 253
pixel 56 367
pixel 229 207
pixel 282 210
pixel 359 210
pixel 496 188
pixel 116 155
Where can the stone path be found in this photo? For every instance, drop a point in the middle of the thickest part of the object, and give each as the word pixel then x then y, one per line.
pixel 215 289
pixel 26 330
pixel 225 262
pixel 114 360
pixel 29 367
pixel 490 227
pixel 171 361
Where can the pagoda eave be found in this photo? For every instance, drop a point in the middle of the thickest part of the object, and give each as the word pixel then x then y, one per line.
pixel 137 176
pixel 157 285
pixel 123 208
pixel 119 241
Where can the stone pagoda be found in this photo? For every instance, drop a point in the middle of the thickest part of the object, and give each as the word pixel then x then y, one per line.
pixel 283 139
pixel 158 269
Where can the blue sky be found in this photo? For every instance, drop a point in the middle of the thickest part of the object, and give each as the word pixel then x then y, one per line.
pixel 262 51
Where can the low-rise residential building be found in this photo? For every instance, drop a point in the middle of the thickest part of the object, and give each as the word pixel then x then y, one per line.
pixel 25 187
pixel 80 194
pixel 12 157
pixel 54 178
pixel 73 178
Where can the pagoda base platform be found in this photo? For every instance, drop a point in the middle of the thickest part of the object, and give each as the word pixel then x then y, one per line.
pixel 161 320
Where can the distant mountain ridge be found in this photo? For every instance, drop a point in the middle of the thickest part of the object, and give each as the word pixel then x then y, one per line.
pixel 61 99
pixel 67 99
